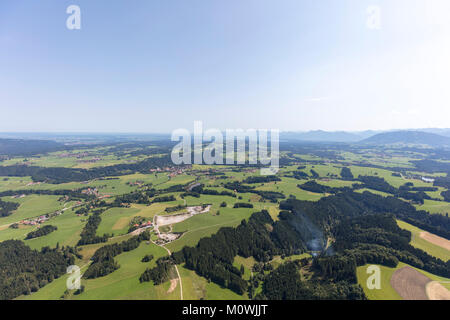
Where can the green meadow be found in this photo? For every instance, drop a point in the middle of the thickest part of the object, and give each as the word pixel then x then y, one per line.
pixel 124 282
pixel 386 292
pixel 32 206
pixel 435 207
pixel 423 244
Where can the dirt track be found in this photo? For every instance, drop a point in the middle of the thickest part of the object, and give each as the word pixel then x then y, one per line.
pixel 410 284
pixel 437 291
pixel 173 285
pixel 434 239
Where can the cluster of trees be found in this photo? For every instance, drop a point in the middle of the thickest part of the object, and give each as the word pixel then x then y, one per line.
pixel 19 147
pixel 300 175
pixel 443 182
pixel 175 208
pixel 24 270
pixel 431 166
pixel 144 196
pixel 347 174
pixel 377 239
pixel 198 190
pixel 147 258
pixel 140 197
pixel 261 179
pixel 365 229
pixel 103 262
pixel 314 174
pixel 71 194
pixel 6 208
pixel 164 199
pixel 376 183
pixel 406 191
pixel 243 205
pixel 89 233
pixel 354 203
pixel 159 274
pixel 135 223
pixel 41 232
pixel 409 186
pixel 313 186
pixel 272 196
pixel 213 257
pixel 417 197
pixel 238 187
pixel 446 195
pixel 284 283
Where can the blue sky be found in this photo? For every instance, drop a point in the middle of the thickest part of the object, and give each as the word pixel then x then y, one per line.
pixel 158 65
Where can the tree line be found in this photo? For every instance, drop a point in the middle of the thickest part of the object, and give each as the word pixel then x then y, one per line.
pixel 24 271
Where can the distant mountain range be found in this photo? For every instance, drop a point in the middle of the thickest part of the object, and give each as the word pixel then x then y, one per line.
pixel 441 132
pixel 408 137
pixel 327 136
pixel 431 137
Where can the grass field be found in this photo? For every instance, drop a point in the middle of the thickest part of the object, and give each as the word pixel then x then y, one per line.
pixel 289 186
pixel 32 206
pixel 423 244
pixel 205 224
pixel 197 288
pixel 124 282
pixel 387 292
pixel 121 284
pixel 435 207
pixel 116 221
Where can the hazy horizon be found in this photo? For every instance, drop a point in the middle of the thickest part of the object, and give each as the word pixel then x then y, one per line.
pixel 188 128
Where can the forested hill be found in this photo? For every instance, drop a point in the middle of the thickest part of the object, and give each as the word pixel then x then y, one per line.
pixel 408 137
pixel 364 227
pixel 19 147
pixel 361 228
pixel 330 211
pixel 61 175
pixel 23 270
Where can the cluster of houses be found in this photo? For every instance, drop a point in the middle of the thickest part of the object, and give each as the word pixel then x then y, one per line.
pixel 91 192
pixel 41 219
pixel 78 155
pixel 94 192
pixel 35 221
pixel 136 183
pixel 173 171
pixel 144 225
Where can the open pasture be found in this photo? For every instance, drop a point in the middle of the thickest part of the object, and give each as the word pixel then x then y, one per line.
pixel 419 242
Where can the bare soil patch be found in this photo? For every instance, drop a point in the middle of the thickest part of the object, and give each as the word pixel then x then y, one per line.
pixel 177 218
pixel 434 239
pixel 410 284
pixel 173 285
pixel 437 291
